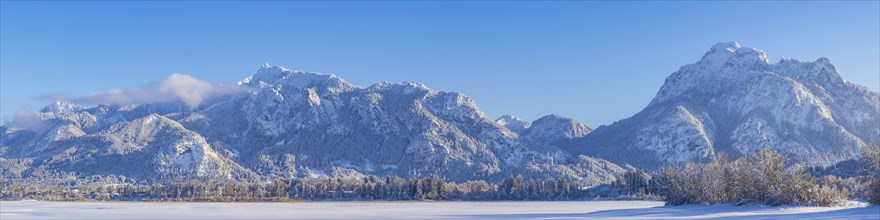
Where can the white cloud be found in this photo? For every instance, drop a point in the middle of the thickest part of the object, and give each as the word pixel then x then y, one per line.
pixel 177 87
pixel 26 119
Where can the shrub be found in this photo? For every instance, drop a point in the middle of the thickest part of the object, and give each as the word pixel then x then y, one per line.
pixel 759 178
pixel 829 196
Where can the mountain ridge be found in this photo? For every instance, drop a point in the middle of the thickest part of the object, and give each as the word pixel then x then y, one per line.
pixel 282 123
pixel 291 123
pixel 735 101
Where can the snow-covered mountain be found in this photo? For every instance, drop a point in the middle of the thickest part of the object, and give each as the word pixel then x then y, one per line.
pixel 735 101
pixel 289 123
pixel 546 130
pixel 282 123
pixel 554 128
pixel 513 123
pixel 91 142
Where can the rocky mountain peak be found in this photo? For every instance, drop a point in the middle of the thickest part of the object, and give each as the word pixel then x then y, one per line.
pixel 513 123
pixel 61 107
pixel 731 53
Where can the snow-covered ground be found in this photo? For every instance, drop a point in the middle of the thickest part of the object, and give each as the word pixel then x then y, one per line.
pixel 420 210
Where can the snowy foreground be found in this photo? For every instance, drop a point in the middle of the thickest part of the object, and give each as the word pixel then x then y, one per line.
pixel 420 210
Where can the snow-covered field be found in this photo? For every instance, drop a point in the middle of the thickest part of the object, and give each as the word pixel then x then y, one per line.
pixel 420 210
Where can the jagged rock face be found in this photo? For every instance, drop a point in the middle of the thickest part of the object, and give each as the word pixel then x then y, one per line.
pixel 307 123
pixel 149 147
pixel 554 128
pixel 400 129
pixel 735 101
pixel 546 131
pixel 513 123
pixel 296 124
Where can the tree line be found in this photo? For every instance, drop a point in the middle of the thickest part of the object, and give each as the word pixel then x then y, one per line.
pixel 322 188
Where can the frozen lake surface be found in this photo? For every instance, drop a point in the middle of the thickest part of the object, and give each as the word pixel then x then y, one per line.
pixel 420 210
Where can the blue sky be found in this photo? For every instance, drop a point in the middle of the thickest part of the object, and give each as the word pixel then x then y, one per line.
pixel 597 62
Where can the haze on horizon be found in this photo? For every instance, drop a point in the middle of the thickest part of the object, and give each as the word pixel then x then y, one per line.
pixel 597 62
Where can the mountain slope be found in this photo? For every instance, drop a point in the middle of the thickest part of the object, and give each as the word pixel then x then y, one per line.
pixel 735 101
pixel 513 123
pixel 297 124
pixel 149 147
